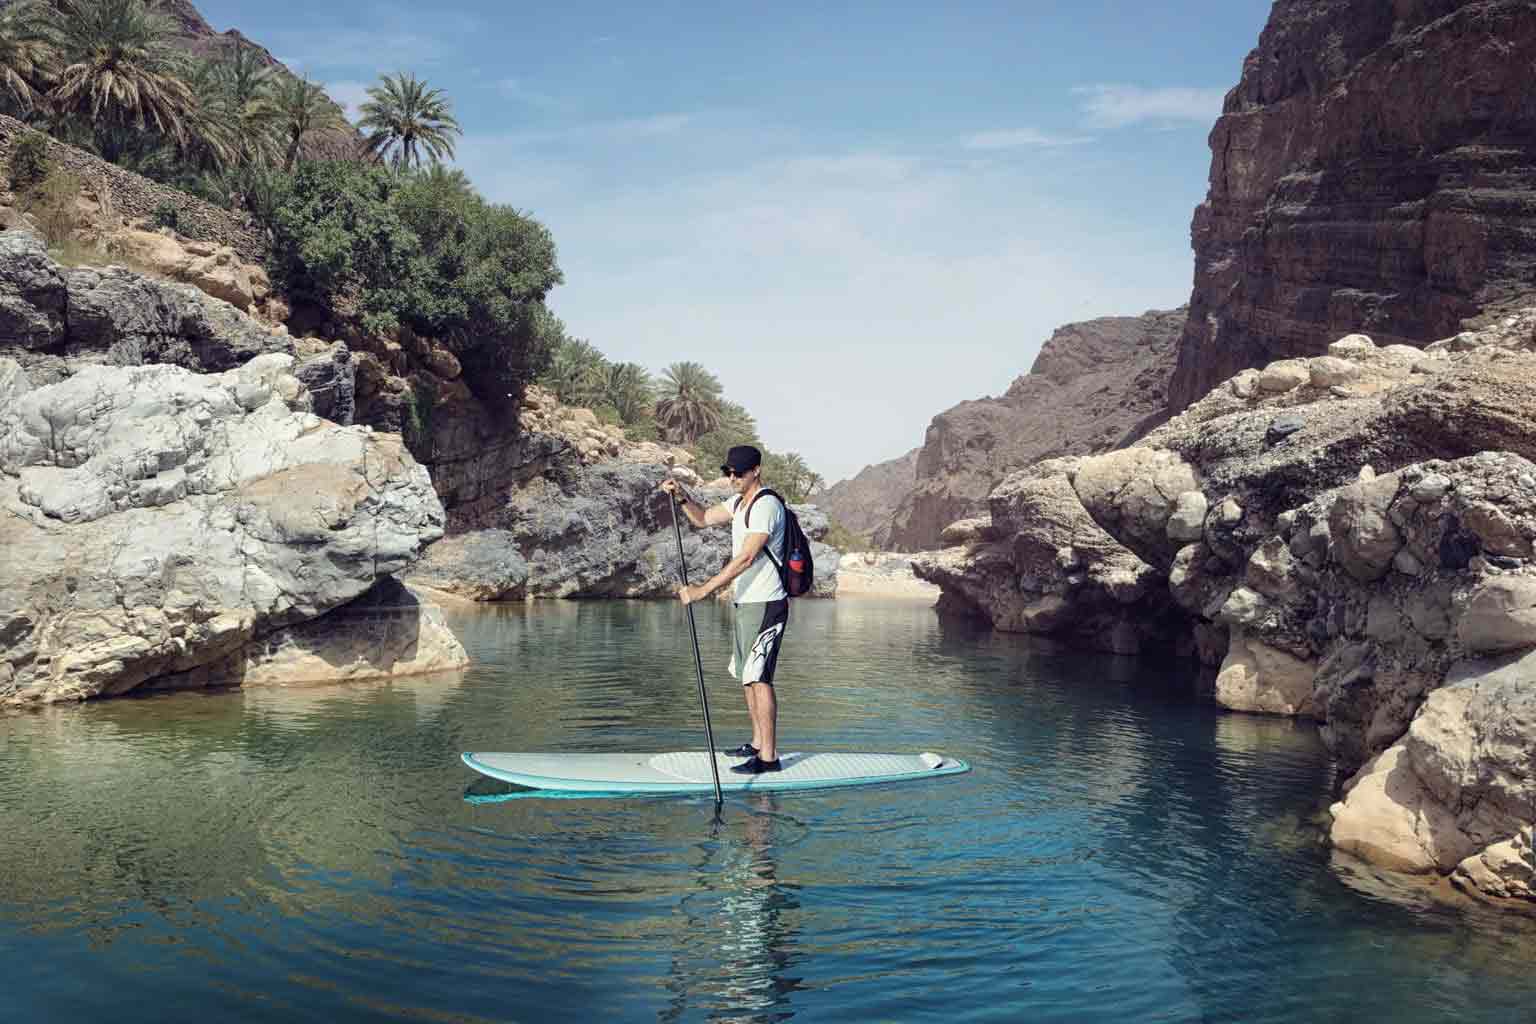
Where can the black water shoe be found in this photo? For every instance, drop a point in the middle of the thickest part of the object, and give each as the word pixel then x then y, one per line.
pixel 756 766
pixel 745 750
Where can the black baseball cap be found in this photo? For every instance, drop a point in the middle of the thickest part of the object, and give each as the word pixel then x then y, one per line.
pixel 743 458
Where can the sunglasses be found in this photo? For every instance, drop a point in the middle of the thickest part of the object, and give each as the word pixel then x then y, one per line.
pixel 728 471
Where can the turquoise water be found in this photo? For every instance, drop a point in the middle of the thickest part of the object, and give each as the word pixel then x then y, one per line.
pixel 1121 851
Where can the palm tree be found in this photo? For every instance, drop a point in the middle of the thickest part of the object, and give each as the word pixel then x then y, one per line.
pixel 120 71
pixel 790 473
pixel 576 373
pixel 247 83
pixel 212 138
pixel 627 387
pixel 737 422
pixel 302 109
pixel 445 180
pixel 406 119
pixel 25 56
pixel 690 401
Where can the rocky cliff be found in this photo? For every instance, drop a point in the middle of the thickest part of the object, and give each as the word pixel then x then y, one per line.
pixel 864 503
pixel 1092 384
pixel 1374 169
pixel 1350 538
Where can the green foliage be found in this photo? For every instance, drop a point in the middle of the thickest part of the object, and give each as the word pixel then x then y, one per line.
pixel 165 216
pixel 29 163
pixel 844 539
pixel 646 429
pixel 253 189
pixel 789 474
pixel 421 402
pixel 339 242
pixel 410 250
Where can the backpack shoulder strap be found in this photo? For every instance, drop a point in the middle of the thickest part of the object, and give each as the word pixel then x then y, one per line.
pixel 767 548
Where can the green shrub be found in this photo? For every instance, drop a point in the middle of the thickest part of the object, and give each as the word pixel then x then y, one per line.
pixel 388 250
pixel 51 202
pixel 644 429
pixel 165 216
pixel 29 162
pixel 420 404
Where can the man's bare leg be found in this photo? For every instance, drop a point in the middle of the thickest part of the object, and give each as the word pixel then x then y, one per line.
pixel 750 691
pixel 764 707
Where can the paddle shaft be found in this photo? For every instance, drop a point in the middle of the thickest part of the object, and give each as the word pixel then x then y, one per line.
pixel 698 662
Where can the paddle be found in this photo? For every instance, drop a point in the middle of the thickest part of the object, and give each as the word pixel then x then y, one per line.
pixel 698 662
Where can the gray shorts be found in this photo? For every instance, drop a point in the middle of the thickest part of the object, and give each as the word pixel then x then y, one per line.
pixel 759 631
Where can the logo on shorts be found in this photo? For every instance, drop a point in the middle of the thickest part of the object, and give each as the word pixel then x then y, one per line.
pixel 765 641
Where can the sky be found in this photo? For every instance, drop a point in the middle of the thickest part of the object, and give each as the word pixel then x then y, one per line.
pixel 857 214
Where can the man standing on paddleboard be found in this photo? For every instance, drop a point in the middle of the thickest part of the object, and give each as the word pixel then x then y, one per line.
pixel 762 606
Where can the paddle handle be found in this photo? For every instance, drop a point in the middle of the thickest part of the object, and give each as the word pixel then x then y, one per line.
pixel 698 661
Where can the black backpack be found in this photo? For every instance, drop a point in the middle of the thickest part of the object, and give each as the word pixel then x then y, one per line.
pixel 796 569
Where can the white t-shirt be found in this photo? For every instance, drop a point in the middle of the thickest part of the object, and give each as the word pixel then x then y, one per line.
pixel 761 581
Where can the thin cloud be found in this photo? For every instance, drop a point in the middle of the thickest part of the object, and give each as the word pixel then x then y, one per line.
pixel 1116 106
pixel 656 126
pixel 1021 138
pixel 519 92
pixel 392 40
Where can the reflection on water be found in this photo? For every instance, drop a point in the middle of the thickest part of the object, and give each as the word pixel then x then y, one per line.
pixel 740 923
pixel 1121 849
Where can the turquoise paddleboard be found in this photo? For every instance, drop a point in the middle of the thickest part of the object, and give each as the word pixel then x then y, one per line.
pixel 689 772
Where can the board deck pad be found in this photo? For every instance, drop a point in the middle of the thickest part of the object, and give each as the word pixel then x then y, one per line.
pixel 688 771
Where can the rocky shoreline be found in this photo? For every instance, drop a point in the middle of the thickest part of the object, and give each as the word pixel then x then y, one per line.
pixel 1347 538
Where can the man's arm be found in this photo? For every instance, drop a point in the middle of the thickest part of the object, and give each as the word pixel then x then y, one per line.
pixel 698 513
pixel 702 515
pixel 750 549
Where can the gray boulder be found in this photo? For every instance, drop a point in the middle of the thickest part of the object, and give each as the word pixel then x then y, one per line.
pixel 32 294
pixel 155 520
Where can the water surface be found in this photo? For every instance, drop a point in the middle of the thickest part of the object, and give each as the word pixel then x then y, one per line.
pixel 1121 850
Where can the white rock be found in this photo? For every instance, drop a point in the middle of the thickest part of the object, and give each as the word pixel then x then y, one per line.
pixel 1352 346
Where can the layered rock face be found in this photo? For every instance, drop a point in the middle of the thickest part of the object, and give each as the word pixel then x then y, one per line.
pixel 1344 536
pixel 1093 384
pixel 54 320
pixel 1372 170
pixel 864 503
pixel 157 521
